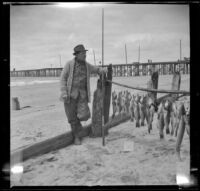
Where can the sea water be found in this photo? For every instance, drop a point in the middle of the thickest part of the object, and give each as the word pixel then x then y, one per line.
pixel 24 81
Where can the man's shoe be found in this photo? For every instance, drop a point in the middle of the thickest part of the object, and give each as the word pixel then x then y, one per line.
pixel 77 141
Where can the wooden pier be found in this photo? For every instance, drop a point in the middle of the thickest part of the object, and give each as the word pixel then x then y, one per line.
pixel 133 69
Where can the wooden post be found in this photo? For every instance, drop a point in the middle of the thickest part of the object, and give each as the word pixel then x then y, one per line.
pixel 107 95
pixel 117 71
pixel 186 68
pixel 131 71
pixel 97 111
pixel 98 100
pixel 136 70
pixel 153 84
pixel 154 79
pixel 176 83
pixel 15 103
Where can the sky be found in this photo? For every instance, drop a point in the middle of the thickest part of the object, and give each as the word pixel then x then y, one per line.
pixel 44 36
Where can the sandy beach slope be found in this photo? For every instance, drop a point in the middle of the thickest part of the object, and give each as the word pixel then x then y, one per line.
pixel 149 161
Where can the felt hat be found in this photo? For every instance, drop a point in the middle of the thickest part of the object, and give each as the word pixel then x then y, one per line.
pixel 79 48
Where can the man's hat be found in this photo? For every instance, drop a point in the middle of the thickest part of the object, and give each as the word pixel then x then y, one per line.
pixel 79 48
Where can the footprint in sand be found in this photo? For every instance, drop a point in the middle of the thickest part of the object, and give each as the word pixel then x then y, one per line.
pixel 27 138
pixel 155 155
pixel 131 177
pixel 39 134
pixel 144 160
pixel 50 105
pixel 125 179
pixel 171 140
pixel 145 133
pixel 54 152
pixel 150 150
pixel 98 164
pixel 186 152
pixel 28 106
pixel 28 169
pixel 51 159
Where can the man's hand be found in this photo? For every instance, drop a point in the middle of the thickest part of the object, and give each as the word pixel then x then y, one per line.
pixel 103 70
pixel 65 98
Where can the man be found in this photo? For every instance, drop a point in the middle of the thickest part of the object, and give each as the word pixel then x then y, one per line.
pixel 75 90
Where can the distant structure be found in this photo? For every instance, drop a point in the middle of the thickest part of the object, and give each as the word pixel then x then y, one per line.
pixel 132 69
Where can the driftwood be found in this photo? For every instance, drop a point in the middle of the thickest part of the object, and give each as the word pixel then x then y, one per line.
pixel 60 141
pixel 48 145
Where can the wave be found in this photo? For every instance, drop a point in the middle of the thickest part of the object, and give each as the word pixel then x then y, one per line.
pixel 24 83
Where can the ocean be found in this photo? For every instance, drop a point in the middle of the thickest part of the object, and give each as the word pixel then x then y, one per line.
pixel 24 81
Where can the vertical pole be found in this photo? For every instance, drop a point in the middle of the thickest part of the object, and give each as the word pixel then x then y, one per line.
pixel 107 98
pixel 180 51
pixel 126 54
pixel 139 54
pixel 60 61
pixel 103 136
pixel 94 58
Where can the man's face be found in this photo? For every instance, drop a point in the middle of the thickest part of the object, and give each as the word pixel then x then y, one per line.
pixel 81 56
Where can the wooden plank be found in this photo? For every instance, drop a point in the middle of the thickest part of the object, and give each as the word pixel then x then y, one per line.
pixel 48 145
pixel 60 141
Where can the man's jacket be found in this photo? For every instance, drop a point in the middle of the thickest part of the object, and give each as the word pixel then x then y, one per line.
pixel 67 78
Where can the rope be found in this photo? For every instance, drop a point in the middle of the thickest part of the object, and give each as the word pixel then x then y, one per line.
pixel 152 90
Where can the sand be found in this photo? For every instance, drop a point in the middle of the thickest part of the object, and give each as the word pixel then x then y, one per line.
pixel 131 155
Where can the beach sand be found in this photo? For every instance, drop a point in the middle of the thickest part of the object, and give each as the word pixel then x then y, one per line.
pixel 131 155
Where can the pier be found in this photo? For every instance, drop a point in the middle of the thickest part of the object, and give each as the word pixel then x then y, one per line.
pixel 119 70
